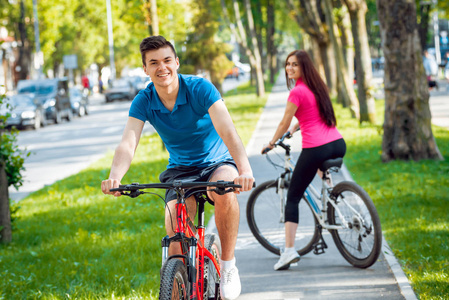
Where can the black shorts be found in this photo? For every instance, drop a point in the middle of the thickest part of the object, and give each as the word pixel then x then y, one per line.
pixel 190 174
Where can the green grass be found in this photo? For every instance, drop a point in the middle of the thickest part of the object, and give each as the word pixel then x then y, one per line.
pixel 73 242
pixel 412 200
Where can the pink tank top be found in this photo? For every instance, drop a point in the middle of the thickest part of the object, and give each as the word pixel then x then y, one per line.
pixel 314 131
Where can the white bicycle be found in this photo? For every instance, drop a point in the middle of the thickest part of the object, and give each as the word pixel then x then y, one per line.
pixel 345 210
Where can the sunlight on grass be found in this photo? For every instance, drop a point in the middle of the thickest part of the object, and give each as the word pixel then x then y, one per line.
pixel 73 242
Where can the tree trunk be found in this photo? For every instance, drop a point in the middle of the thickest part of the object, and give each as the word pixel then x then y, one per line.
pixel 345 84
pixel 258 25
pixel 154 17
pixel 407 128
pixel 357 11
pixel 24 59
pixel 5 215
pixel 240 35
pixel 346 45
pixel 151 16
pixel 329 65
pixel 424 12
pixel 257 54
pixel 271 49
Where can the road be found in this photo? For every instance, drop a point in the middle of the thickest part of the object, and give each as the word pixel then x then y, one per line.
pixel 58 151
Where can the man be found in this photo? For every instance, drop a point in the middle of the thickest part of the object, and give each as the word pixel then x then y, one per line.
pixel 431 69
pixel 197 130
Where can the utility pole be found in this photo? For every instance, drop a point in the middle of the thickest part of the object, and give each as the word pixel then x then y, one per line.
pixel 111 39
pixel 39 56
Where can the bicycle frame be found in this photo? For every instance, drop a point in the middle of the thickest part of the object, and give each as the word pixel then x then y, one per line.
pixel 310 195
pixel 187 233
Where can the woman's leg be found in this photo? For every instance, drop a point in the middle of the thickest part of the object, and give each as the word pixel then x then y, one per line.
pixel 307 165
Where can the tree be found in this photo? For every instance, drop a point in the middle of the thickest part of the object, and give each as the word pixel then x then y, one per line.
pixel 310 17
pixel 407 128
pixel 11 165
pixel 203 51
pixel 251 48
pixel 357 11
pixel 345 86
pixel 271 49
pixel 152 17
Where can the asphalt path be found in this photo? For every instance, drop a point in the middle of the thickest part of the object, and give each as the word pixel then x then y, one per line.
pixel 60 150
pixel 325 276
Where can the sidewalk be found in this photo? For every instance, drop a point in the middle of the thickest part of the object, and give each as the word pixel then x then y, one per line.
pixel 326 276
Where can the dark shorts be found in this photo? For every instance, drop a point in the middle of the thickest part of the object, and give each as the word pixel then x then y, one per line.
pixel 190 174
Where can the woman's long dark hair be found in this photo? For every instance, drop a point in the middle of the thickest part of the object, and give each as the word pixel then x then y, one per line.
pixel 312 79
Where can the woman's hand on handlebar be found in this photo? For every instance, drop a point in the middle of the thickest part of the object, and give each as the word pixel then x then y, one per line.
pixel 108 184
pixel 267 147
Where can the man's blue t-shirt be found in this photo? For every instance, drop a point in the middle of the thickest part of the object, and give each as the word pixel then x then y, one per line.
pixel 187 131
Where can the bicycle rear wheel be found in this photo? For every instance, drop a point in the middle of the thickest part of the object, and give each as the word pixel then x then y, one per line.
pixel 263 213
pixel 174 282
pixel 211 275
pixel 360 243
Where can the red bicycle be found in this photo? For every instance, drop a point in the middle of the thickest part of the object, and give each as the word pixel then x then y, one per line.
pixel 194 274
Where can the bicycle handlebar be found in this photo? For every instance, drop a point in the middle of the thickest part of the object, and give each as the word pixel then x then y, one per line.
pixel 134 189
pixel 280 142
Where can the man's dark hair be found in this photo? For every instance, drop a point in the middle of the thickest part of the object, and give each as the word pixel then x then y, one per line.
pixel 153 43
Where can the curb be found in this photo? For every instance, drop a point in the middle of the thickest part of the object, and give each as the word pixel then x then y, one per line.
pixel 401 279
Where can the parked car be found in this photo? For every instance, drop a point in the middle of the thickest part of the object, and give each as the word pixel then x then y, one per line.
pixel 23 112
pixel 79 102
pixel 52 94
pixel 138 83
pixel 120 89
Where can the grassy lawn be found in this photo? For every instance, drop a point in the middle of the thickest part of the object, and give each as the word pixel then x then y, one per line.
pixel 71 241
pixel 412 201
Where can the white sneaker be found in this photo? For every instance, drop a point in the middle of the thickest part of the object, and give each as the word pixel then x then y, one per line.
pixel 286 259
pixel 230 286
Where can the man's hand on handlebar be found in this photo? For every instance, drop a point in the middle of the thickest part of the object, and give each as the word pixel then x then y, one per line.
pixel 246 181
pixel 108 184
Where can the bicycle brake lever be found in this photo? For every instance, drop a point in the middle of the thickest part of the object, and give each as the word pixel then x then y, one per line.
pixel 222 191
pixel 132 194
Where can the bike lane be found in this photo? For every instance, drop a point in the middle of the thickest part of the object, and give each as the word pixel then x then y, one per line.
pixel 325 276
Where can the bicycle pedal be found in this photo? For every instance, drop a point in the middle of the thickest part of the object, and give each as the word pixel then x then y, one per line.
pixel 319 248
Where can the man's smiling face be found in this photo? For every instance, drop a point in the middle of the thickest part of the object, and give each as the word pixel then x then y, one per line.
pixel 161 65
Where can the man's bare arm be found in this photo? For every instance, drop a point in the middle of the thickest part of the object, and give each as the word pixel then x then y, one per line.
pixel 123 156
pixel 225 127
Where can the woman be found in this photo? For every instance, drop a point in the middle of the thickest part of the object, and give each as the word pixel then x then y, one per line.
pixel 310 103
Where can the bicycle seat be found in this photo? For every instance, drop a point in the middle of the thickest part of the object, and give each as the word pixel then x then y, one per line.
pixel 335 162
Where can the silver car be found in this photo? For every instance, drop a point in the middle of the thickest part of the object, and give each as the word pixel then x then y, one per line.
pixel 23 112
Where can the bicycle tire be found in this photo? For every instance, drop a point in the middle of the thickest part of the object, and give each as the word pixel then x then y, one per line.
pixel 361 243
pixel 174 283
pixel 211 274
pixel 264 220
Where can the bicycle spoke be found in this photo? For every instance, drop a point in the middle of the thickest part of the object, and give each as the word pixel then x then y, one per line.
pixel 360 241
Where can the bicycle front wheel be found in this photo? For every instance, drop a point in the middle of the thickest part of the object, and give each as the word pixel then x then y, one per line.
pixel 265 219
pixel 174 282
pixel 360 241
pixel 211 275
